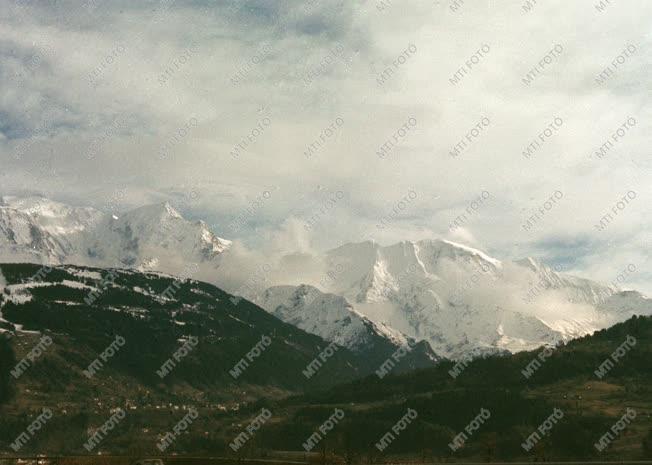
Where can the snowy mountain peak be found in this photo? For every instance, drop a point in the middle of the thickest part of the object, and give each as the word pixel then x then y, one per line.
pixel 333 318
pixel 47 212
pixel 170 210
pixel 37 229
pixel 475 252
pixel 326 315
pixel 463 301
pixel 155 212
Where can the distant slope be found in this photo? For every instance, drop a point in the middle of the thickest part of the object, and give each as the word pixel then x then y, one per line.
pixel 566 379
pixel 157 314
pixel 176 343
pixel 334 319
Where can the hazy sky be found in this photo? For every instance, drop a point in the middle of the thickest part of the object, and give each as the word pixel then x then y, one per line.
pixel 415 109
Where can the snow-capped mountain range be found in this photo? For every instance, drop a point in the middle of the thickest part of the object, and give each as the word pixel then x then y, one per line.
pixel 455 298
pixel 458 299
pixel 39 230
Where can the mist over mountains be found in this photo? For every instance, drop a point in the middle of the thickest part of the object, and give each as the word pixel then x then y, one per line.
pixel 459 300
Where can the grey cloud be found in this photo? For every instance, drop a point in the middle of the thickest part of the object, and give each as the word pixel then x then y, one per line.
pixel 156 34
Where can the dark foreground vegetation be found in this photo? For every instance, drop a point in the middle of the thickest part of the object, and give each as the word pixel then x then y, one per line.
pixel 444 406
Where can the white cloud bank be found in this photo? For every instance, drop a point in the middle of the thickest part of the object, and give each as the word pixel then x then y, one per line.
pixel 113 103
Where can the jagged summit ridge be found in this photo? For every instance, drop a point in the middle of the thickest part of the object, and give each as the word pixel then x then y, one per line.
pixel 463 301
pixel 458 299
pixel 40 230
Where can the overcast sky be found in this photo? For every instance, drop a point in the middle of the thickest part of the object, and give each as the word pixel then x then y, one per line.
pixel 415 109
